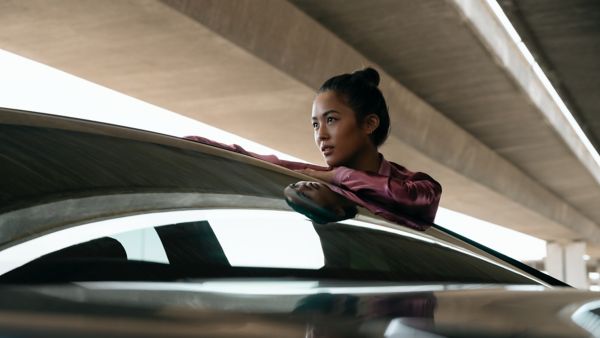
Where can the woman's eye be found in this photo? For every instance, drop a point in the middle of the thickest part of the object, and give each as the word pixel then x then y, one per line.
pixel 330 119
pixel 315 125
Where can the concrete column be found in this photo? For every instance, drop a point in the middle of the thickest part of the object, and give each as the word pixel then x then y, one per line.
pixel 554 263
pixel 565 262
pixel 575 265
pixel 593 280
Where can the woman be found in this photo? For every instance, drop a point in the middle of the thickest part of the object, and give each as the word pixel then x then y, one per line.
pixel 350 121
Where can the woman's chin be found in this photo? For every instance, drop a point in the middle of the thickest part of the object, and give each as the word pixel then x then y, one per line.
pixel 331 162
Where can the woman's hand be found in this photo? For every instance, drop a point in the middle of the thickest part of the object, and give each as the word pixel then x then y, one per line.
pixel 323 175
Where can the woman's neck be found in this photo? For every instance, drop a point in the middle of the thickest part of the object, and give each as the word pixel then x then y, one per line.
pixel 369 160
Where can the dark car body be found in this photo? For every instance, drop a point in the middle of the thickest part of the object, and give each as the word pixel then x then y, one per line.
pixel 110 231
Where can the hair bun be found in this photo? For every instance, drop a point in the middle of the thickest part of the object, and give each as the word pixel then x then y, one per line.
pixel 368 75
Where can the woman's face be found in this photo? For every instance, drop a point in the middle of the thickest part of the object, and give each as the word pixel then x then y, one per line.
pixel 338 135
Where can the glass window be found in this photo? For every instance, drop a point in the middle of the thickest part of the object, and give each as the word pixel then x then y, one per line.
pixel 230 243
pixel 142 245
pixel 277 239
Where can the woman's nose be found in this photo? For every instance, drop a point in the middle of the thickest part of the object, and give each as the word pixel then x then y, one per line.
pixel 322 133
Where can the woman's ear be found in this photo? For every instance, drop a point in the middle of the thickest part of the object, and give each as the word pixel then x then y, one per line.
pixel 370 123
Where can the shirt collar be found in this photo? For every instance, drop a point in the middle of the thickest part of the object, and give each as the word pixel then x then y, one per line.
pixel 385 168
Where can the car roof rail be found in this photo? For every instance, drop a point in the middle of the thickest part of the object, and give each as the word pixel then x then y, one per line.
pixel 524 267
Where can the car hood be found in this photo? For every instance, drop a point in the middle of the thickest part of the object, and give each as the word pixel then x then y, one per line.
pixel 298 309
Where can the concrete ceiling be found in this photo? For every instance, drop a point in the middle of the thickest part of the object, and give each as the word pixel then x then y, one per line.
pixel 426 46
pixel 564 37
pixel 251 66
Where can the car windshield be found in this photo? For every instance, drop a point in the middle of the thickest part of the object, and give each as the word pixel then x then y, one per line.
pixel 234 243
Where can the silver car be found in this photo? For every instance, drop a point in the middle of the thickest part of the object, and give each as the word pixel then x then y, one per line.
pixel 111 231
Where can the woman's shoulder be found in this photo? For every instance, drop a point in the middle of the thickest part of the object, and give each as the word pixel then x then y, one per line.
pixel 389 168
pixel 401 171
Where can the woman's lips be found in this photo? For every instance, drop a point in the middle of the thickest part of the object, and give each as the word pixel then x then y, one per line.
pixel 327 151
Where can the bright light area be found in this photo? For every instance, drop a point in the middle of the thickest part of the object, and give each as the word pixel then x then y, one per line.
pixel 586 257
pixel 371 226
pixel 143 245
pixel 19 254
pixel 594 275
pixel 497 10
pixel 277 239
pixel 29 85
pixel 509 242
pixel 595 288
pixel 248 238
pixel 249 287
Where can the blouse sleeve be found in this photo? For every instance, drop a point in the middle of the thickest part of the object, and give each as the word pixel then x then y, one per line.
pixel 268 158
pixel 417 194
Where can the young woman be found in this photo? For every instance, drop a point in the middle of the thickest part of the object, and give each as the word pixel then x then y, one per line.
pixel 350 121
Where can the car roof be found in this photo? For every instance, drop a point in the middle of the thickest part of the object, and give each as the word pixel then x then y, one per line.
pixel 93 170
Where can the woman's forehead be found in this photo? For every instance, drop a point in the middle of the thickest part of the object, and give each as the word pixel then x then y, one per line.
pixel 329 102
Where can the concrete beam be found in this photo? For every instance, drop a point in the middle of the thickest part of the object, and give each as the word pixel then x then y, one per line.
pixel 438 52
pixel 509 55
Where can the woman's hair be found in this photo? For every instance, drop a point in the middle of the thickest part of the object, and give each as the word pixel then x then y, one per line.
pixel 360 92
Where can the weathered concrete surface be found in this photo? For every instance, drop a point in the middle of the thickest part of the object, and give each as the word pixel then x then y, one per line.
pixel 457 57
pixel 568 176
pixel 250 67
pixel 564 37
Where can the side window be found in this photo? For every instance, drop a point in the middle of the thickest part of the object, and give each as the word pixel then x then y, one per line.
pixel 405 257
pixel 236 238
pixel 272 239
pixel 229 243
pixel 142 245
pixel 165 245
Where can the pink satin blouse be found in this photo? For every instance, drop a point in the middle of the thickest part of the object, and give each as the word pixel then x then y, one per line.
pixel 393 192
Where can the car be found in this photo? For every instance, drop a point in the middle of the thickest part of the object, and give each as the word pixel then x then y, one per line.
pixel 113 231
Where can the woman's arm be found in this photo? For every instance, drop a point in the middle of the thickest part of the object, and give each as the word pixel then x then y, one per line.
pixel 268 158
pixel 416 195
